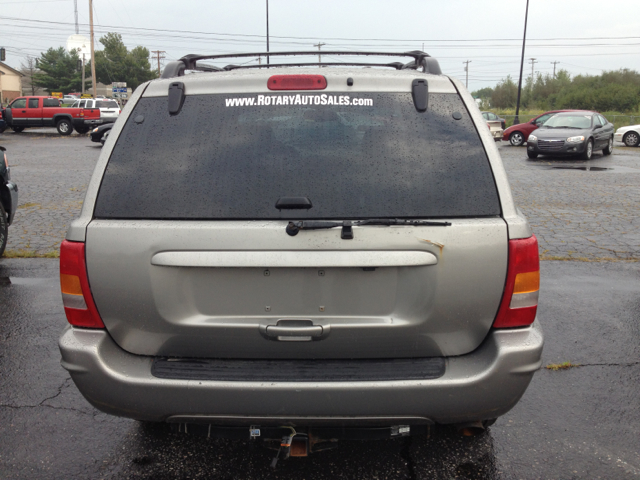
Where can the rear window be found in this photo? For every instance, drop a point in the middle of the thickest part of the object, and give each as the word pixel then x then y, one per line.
pixel 369 155
pixel 108 104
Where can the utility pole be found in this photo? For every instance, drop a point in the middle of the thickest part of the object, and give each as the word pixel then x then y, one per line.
pixel 319 45
pixel 93 57
pixel 466 69
pixel 554 69
pixel 533 61
pixel 524 38
pixel 159 57
pixel 267 31
pixel 83 73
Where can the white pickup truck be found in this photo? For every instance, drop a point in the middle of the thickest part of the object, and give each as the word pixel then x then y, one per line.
pixel 109 109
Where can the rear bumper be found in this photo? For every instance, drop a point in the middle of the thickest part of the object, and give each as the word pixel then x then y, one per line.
pixel 484 384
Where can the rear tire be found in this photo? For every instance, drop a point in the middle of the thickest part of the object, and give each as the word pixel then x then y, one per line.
pixel 64 127
pixel 608 150
pixel 588 151
pixel 17 129
pixel 631 139
pixel 4 229
pixel 516 139
pixel 532 155
pixel 82 130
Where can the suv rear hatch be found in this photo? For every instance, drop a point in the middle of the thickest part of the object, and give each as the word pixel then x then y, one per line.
pixel 188 256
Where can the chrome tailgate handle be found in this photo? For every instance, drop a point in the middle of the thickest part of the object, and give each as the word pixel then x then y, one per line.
pixel 294 331
pixel 274 331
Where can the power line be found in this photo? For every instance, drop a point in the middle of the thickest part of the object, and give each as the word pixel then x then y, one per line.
pixel 332 38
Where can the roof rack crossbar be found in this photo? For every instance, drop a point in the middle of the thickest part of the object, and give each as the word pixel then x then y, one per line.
pixel 396 65
pixel 189 62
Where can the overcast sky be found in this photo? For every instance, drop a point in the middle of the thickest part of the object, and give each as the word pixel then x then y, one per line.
pixel 585 36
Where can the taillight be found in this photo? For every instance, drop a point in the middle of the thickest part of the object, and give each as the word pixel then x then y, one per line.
pixel 76 295
pixel 297 82
pixel 520 298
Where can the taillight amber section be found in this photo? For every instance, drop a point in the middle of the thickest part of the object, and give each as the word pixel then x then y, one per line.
pixel 70 284
pixel 520 299
pixel 527 282
pixel 78 302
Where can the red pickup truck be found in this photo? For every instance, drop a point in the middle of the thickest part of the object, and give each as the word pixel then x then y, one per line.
pixel 25 112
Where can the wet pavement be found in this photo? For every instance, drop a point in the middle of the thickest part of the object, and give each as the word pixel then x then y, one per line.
pixel 583 422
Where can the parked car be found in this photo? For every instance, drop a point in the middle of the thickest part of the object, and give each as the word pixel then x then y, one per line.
pixel 109 109
pixel 495 128
pixel 518 134
pixel 492 117
pixel 8 199
pixel 574 133
pixel 100 134
pixel 35 111
pixel 630 135
pixel 337 257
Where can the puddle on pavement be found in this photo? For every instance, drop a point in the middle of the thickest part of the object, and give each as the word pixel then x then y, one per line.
pixel 22 281
pixel 588 168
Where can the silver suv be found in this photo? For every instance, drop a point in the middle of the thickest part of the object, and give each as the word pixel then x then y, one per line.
pixel 294 246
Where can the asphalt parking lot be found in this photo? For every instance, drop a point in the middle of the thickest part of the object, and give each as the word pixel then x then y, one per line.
pixel 581 422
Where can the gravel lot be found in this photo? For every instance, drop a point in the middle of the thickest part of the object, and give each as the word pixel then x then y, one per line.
pixel 578 210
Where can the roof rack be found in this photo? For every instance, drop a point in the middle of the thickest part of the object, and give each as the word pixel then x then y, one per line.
pixel 189 62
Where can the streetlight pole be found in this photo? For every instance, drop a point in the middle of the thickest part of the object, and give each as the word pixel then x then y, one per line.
pixel 267 31
pixel 524 39
pixel 93 57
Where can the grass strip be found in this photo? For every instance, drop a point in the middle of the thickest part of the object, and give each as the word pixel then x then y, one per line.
pixel 22 253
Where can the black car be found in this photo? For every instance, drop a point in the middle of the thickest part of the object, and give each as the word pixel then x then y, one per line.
pixel 100 134
pixel 572 133
pixel 8 199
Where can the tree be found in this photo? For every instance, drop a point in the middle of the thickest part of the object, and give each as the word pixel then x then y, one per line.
pixel 117 64
pixel 617 90
pixel 28 69
pixel 59 71
pixel 505 94
pixel 483 93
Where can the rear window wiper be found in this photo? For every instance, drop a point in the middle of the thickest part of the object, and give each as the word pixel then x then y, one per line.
pixel 347 232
